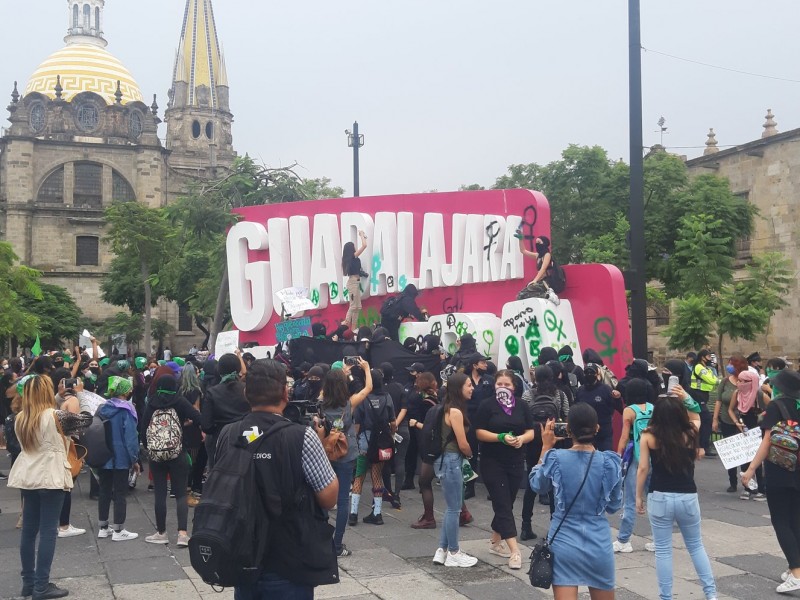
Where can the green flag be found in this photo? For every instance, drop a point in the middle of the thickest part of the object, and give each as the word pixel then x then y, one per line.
pixel 36 349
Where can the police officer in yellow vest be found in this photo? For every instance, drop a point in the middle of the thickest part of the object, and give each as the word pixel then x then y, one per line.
pixel 703 381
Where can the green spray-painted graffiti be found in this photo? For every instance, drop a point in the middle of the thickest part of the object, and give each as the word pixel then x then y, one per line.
pixel 403 282
pixel 512 345
pixel 334 287
pixel 534 337
pixel 315 297
pixel 605 333
pixel 376 266
pixel 488 339
pixel 553 324
pixel 369 318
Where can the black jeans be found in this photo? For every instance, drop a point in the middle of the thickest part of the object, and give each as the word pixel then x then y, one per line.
pixel 39 519
pixel 113 485
pixel 199 462
pixel 502 481
pixel 784 512
pixel 412 454
pixel 705 426
pixel 178 471
pixel 66 509
pixel 533 452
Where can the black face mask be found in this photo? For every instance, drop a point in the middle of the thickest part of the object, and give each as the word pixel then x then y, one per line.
pixel 542 249
pixel 95 370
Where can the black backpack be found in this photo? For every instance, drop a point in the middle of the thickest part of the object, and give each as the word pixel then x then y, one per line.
pixel 544 408
pixel 98 442
pixel 381 441
pixel 574 384
pixel 231 524
pixel 388 307
pixel 431 445
pixel 12 442
pixel 556 277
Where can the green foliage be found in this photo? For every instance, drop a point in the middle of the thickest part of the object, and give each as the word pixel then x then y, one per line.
pixel 317 189
pixel 18 285
pixel 703 256
pixel 161 330
pixel 128 327
pixel 691 324
pixel 473 187
pixel 610 247
pixel 123 286
pixel 58 316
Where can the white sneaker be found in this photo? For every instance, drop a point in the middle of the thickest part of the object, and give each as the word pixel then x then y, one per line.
pixel 551 295
pixel 123 535
pixel 104 532
pixel 70 532
pixel 650 546
pixel 791 584
pixel 785 575
pixel 157 538
pixel 459 559
pixel 440 555
pixel 624 547
pixel 183 540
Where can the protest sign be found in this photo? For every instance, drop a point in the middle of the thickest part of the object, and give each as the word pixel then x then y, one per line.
pixel 227 342
pixel 738 449
pixel 293 329
pixel 295 300
pixel 85 341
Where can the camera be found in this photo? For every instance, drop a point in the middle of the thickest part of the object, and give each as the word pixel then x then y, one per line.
pixel 69 384
pixel 560 429
pixel 351 361
pixel 301 411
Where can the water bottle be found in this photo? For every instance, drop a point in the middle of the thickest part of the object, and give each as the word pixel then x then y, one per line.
pixel 752 485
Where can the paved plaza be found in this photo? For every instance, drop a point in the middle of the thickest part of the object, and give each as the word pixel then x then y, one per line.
pixel 394 562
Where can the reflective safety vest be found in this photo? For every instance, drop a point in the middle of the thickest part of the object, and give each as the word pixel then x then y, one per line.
pixel 703 378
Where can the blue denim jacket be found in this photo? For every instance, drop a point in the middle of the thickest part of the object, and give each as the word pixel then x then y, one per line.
pixel 124 436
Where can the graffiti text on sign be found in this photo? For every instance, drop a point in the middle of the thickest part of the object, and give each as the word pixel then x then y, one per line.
pixel 450 321
pixel 315 297
pixel 528 221
pixel 512 345
pixel 534 337
pixel 453 304
pixel 334 291
pixel 390 282
pixel 604 333
pixel 345 293
pixel 553 324
pixel 403 282
pixel 520 320
pixel 376 266
pixel 436 329
pixel 370 318
pixel 492 231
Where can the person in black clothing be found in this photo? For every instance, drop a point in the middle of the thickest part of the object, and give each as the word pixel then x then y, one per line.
pixel 560 377
pixel 483 388
pixel 224 403
pixel 177 469
pixel 783 486
pixel 416 410
pixel 600 396
pixel 638 369
pixel 398 462
pixel 309 387
pixel 393 313
pixel 565 355
pixel 503 425
pixel 351 268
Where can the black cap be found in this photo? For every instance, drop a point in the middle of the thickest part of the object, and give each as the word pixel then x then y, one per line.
pixel 755 356
pixel 474 359
pixel 787 382
pixel 417 367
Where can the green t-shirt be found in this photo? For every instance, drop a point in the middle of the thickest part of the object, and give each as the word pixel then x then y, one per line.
pixel 726 389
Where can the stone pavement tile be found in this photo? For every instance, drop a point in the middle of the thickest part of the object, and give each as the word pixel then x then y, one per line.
pixel 453 576
pixel 85 588
pixel 643 582
pixel 413 544
pixel 750 586
pixel 144 570
pixel 346 588
pixel 357 542
pixel 377 563
pixel 226 594
pixel 764 565
pixel 412 585
pixel 162 589
pixel 502 590
pixel 718 538
pixel 621 594
pixel 111 551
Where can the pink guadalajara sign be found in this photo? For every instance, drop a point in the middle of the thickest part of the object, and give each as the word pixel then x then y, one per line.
pixel 457 248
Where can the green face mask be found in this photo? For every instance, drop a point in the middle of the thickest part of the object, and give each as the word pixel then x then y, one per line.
pixel 772 373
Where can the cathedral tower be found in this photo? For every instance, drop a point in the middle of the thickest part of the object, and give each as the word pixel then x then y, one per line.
pixel 198 114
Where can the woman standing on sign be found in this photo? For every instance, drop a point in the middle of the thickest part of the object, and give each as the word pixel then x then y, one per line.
pixel 351 267
pixel 549 279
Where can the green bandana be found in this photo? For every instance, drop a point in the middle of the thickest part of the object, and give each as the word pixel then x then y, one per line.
pixel 104 361
pixel 564 357
pixel 118 386
pixel 179 361
pixel 123 365
pixel 337 365
pixel 229 377
pixel 140 362
pixel 21 383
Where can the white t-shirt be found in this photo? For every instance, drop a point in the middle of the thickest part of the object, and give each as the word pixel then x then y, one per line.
pixel 167 355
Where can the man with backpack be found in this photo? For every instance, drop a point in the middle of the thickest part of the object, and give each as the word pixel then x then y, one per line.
pixel 397 308
pixel 261 525
pixel 635 419
pixel 572 372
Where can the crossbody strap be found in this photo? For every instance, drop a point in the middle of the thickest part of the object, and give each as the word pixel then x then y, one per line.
pixel 578 493
pixel 782 408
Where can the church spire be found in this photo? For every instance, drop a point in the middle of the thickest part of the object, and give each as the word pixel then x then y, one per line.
pixel 86 22
pixel 199 77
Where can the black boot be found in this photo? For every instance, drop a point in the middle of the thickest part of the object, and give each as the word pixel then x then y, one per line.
pixel 469 490
pixel 526 533
pixel 408 484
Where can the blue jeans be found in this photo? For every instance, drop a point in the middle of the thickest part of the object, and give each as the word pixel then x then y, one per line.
pixel 684 509
pixel 344 473
pixel 628 519
pixel 448 469
pixel 40 513
pixel 273 587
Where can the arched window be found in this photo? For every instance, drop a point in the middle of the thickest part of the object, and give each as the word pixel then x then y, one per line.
pixel 196 129
pixel 76 16
pixel 52 190
pixel 97 19
pixel 88 190
pixel 87 17
pixel 121 191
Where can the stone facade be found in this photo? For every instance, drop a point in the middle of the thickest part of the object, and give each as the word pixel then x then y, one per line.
pixel 766 172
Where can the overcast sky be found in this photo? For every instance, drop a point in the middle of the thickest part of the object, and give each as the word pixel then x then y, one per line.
pixel 451 92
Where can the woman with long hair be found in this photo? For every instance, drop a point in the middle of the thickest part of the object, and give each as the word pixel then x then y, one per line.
pixel 544 262
pixel 448 467
pixel 191 389
pixel 670 445
pixel 586 484
pixel 722 421
pixel 42 472
pixel 351 268
pixel 503 425
pixel 338 405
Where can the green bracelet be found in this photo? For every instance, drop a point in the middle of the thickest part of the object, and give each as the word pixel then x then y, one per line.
pixel 501 437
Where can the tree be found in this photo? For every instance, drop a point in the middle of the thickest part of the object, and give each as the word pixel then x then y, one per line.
pixel 17 282
pixel 123 286
pixel 59 318
pixel 123 326
pixel 316 189
pixel 136 230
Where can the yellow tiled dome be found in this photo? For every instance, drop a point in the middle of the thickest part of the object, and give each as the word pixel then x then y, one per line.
pixel 84 68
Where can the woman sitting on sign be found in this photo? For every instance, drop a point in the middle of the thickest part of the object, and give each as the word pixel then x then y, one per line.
pixel 351 267
pixel 549 279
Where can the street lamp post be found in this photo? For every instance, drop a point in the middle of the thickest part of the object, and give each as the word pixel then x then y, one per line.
pixel 355 141
pixel 637 280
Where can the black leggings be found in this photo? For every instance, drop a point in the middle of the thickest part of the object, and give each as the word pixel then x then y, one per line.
pixel 66 508
pixel 199 462
pixel 113 485
pixel 178 471
pixel 502 481
pixel 784 512
pixel 426 473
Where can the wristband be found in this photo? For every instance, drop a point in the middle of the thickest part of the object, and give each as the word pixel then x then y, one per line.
pixel 501 437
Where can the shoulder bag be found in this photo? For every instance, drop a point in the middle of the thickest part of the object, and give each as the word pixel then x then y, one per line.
pixel 541 569
pixel 75 462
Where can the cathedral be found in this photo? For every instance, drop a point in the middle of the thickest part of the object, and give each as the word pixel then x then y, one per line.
pixel 83 135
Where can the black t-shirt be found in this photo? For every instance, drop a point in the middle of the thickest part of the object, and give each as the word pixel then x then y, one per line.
pixel 355 267
pixel 379 405
pixel 778 477
pixel 676 483
pixel 482 390
pixel 493 418
pixel 599 397
pixel 395 390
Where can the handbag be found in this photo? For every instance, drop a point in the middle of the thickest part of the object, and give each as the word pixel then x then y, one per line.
pixel 540 572
pixel 335 445
pixel 75 461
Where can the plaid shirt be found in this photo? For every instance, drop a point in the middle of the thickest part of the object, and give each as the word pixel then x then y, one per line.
pixel 317 468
